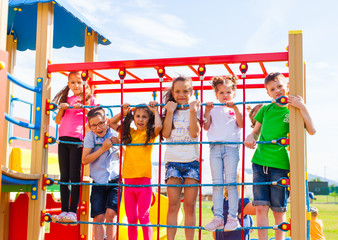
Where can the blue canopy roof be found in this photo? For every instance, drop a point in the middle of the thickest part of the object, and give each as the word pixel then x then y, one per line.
pixel 69 24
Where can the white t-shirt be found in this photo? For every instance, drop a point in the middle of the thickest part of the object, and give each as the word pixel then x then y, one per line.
pixel 180 133
pixel 223 127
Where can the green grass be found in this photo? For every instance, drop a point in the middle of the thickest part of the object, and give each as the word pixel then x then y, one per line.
pixel 327 212
pixel 207 216
pixel 326 199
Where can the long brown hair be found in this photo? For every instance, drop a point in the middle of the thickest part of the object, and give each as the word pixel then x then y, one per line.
pixel 252 113
pixel 168 96
pixel 126 137
pixel 61 97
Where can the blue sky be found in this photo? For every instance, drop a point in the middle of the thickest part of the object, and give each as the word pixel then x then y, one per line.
pixel 161 29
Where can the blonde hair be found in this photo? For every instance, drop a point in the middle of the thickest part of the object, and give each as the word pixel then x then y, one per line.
pixel 252 113
pixel 314 212
pixel 224 80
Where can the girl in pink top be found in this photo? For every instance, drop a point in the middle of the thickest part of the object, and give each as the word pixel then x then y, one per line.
pixel 71 129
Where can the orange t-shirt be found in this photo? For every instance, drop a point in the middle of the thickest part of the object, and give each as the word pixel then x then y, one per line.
pixel 316 229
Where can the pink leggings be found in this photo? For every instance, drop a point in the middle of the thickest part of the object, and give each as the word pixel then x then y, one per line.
pixel 137 204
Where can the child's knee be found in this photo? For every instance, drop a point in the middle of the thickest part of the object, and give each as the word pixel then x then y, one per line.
pixel 174 207
pixel 110 215
pixel 189 207
pixel 100 218
pixel 174 204
pixel 263 209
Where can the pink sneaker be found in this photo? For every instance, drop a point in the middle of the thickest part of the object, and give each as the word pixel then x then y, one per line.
pixel 216 223
pixel 59 218
pixel 232 224
pixel 71 218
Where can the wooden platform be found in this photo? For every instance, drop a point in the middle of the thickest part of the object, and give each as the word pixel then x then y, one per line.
pixel 10 173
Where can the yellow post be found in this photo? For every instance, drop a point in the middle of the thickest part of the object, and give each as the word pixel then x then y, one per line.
pixel 297 138
pixel 91 42
pixel 44 44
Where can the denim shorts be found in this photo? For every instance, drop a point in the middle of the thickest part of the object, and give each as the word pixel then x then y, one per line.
pixel 182 170
pixel 103 197
pixel 269 195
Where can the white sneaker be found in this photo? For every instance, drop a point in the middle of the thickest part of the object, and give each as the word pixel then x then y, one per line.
pixel 71 218
pixel 232 224
pixel 59 217
pixel 216 223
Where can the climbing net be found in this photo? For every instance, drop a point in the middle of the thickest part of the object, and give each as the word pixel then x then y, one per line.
pixel 198 66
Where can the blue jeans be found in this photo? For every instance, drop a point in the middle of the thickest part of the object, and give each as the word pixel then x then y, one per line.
pixel 223 164
pixel 182 170
pixel 103 197
pixel 269 195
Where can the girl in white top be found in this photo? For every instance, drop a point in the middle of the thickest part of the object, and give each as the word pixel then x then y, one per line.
pixel 181 125
pixel 224 124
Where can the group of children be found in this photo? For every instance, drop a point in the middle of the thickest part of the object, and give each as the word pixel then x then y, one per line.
pixel 181 123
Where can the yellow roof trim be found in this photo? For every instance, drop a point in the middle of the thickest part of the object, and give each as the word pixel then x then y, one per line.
pixel 296 32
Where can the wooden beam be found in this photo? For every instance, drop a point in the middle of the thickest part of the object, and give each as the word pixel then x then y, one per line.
pixel 4 197
pixel 90 55
pixel 44 46
pixel 297 138
pixel 3 23
pixel 11 49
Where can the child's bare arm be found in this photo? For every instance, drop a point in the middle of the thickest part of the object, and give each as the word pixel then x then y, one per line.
pixel 157 121
pixel 88 157
pixel 194 124
pixel 250 141
pixel 114 121
pixel 61 112
pixel 207 122
pixel 297 102
pixel 238 114
pixel 168 120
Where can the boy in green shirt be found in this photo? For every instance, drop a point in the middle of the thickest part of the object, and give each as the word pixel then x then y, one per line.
pixel 271 161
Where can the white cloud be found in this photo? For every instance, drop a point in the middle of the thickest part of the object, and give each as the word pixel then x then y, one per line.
pixel 159 30
pixel 322 65
pixel 128 46
pixel 96 12
pixel 265 37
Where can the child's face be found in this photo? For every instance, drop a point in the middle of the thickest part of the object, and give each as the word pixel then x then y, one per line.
pixel 225 93
pixel 98 125
pixel 141 118
pixel 75 84
pixel 277 88
pixel 182 92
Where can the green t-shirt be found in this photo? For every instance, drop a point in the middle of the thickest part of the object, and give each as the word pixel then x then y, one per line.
pixel 275 124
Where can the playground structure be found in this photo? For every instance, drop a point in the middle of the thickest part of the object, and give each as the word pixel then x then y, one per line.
pixel 198 65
